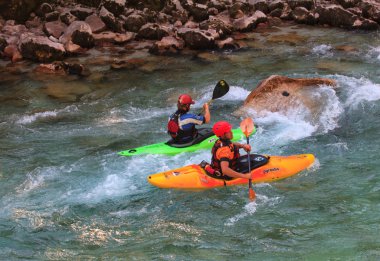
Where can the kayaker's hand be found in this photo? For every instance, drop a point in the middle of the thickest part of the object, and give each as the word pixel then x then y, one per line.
pixel 247 176
pixel 205 106
pixel 246 147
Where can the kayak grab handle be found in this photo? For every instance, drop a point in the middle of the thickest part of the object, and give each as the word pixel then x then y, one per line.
pixel 131 151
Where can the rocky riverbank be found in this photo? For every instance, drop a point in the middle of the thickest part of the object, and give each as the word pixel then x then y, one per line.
pixel 45 32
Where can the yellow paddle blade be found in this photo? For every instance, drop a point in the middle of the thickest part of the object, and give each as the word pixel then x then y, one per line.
pixel 247 126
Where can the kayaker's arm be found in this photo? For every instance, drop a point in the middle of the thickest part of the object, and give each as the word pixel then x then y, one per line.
pixel 231 173
pixel 207 113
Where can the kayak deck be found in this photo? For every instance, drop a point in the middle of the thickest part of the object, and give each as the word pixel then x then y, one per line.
pixel 164 148
pixel 195 177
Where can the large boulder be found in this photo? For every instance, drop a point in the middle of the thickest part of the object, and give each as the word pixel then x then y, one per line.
pixel 97 25
pixel 167 45
pixel 371 9
pixel 278 93
pixel 116 7
pixel 79 33
pixel 198 39
pixel 218 25
pixel 40 48
pixel 198 11
pixel 247 23
pixel 81 12
pixel 336 15
pixel 110 20
pixel 134 22
pixel 303 16
pixel 153 31
pixel 55 28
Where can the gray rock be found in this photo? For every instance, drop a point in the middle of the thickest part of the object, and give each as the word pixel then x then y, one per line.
pixel 79 33
pixel 134 22
pixel 153 31
pixel 218 25
pixel 53 16
pixel 40 48
pixel 371 9
pixel 55 28
pixel 248 23
pixel 81 12
pixel 198 11
pixel 198 39
pixel 167 45
pixel 260 5
pixel 335 15
pixel 303 16
pixel 109 19
pixel 96 24
pixel 116 7
pixel 276 4
pixel 308 4
pixel 68 17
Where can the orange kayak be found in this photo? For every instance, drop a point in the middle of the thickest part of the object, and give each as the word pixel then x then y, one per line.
pixel 195 177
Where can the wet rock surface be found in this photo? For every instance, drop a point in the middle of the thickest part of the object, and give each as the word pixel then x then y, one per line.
pixel 277 93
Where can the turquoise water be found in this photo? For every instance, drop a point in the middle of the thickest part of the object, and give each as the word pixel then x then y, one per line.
pixel 65 193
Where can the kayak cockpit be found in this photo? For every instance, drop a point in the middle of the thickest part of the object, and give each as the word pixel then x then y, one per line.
pixel 203 133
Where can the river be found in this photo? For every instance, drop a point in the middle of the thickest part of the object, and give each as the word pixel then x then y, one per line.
pixel 65 194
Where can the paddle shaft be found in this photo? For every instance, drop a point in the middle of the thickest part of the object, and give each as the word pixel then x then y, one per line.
pixel 249 165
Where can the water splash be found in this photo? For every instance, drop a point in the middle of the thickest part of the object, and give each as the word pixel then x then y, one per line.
pixel 28 119
pixel 359 91
pixel 324 50
pixel 251 207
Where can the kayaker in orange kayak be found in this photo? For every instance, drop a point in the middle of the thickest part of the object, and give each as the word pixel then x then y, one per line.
pixel 181 124
pixel 225 153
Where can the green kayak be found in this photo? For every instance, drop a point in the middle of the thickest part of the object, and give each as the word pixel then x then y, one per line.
pixel 204 140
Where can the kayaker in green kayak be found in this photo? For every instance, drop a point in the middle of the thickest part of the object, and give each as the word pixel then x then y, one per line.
pixel 225 153
pixel 181 124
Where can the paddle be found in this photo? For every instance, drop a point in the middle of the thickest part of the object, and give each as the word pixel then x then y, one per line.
pixel 221 88
pixel 247 127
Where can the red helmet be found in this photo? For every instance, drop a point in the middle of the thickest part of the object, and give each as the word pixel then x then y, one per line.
pixel 221 127
pixel 185 99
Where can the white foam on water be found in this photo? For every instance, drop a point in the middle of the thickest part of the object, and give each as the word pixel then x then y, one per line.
pixel 251 207
pixel 359 91
pixel 236 93
pixel 327 116
pixel 298 121
pixel 37 178
pixel 324 50
pixel 132 114
pixel 374 52
pixel 27 119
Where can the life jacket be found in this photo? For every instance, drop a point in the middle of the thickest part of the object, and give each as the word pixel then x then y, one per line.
pixel 215 163
pixel 175 131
